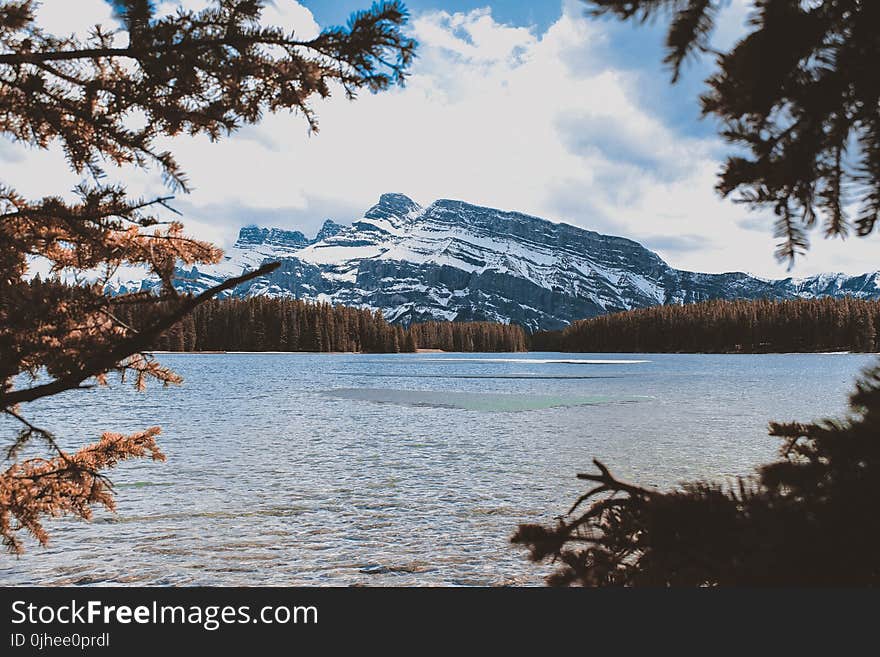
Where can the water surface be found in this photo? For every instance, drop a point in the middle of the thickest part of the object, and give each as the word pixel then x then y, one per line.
pixel 307 469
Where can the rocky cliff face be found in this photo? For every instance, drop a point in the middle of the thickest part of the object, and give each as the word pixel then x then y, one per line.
pixel 456 261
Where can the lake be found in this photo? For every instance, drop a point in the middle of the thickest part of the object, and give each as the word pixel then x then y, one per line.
pixel 403 469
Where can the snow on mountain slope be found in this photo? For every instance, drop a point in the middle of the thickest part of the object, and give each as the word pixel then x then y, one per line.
pixel 456 261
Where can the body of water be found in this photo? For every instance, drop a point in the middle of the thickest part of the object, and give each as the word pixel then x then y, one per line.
pixel 404 469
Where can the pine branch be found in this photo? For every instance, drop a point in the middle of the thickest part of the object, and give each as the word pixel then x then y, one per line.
pixel 101 363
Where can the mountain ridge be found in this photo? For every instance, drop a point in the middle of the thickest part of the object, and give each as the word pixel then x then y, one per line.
pixel 452 260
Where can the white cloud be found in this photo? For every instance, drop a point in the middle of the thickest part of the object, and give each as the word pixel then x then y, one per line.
pixel 288 14
pixel 63 17
pixel 493 114
pixel 474 36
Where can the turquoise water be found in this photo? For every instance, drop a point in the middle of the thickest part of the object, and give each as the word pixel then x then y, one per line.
pixel 409 469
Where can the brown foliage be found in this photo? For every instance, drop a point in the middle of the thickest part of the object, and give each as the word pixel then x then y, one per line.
pixel 195 72
pixel 66 484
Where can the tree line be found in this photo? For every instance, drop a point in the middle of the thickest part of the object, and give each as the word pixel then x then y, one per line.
pixel 268 324
pixel 827 324
pixel 468 336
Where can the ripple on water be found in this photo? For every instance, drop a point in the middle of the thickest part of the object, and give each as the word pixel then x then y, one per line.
pixel 304 469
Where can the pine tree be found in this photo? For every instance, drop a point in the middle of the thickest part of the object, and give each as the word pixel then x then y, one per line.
pixel 799 96
pixel 110 99
pixel 725 326
pixel 805 520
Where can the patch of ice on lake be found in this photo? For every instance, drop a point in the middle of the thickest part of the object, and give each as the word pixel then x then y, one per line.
pixel 539 361
pixel 493 402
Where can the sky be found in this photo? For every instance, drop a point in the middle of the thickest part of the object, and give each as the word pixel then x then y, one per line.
pixel 520 105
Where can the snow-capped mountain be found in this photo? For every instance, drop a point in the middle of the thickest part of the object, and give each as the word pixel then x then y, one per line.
pixel 456 261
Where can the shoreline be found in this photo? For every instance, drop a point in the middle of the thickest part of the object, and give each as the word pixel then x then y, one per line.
pixel 628 353
pixel 329 353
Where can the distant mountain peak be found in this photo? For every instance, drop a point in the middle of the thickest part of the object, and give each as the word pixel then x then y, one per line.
pixel 393 205
pixel 328 229
pixel 454 260
pixel 251 235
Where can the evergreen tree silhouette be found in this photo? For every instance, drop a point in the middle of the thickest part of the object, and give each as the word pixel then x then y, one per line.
pixel 799 95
